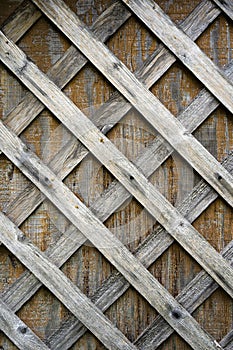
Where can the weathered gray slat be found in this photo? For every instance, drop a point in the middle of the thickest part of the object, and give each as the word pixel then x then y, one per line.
pixel 142 99
pixel 17 331
pixel 184 48
pixel 195 293
pixel 150 250
pixel 21 20
pixel 226 6
pixel 66 67
pixel 104 240
pixel 61 286
pixel 112 112
pixel 30 197
pixel 227 341
pixel 118 164
pixel 150 71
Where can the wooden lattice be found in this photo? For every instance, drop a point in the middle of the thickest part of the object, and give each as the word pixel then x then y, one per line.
pixel 131 178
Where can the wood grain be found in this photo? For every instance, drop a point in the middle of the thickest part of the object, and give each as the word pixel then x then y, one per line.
pixel 62 287
pixel 143 100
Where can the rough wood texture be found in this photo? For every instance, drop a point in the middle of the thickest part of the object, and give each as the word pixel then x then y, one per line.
pixel 118 165
pixel 25 205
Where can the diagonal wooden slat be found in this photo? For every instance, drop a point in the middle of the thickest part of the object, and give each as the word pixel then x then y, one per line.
pixel 66 67
pixel 148 252
pixel 226 6
pixel 17 331
pixel 191 209
pixel 21 20
pixel 227 341
pixel 192 25
pixel 61 286
pixel 150 71
pixel 194 294
pixel 143 100
pixel 118 164
pixel 184 48
pixel 105 241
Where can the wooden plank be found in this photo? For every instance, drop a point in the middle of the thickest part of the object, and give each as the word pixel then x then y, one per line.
pixel 184 48
pixel 61 286
pixel 119 165
pixel 21 20
pixel 66 67
pixel 195 293
pixel 30 198
pixel 143 100
pixel 17 331
pixel 227 341
pixel 105 241
pixel 150 71
pixel 226 6
pixel 111 113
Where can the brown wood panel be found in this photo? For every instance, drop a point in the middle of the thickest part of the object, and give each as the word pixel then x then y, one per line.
pixel 87 268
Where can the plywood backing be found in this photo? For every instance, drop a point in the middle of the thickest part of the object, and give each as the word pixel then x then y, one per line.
pixel 134 248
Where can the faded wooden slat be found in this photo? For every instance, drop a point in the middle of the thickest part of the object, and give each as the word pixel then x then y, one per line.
pixel 21 20
pixel 195 293
pixel 143 100
pixel 119 165
pixel 226 6
pixel 66 67
pixel 109 114
pixel 227 341
pixel 184 48
pixel 106 242
pixel 62 287
pixel 150 71
pixel 22 206
pixel 17 331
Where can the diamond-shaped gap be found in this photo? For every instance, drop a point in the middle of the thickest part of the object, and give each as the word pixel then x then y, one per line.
pixel 89 89
pixel 133 43
pixel 5 343
pixel 45 226
pixel 87 268
pixel 176 88
pixel 216 41
pixel 43 313
pixel 215 315
pixel 216 224
pixel 132 135
pixel 44 44
pixel 131 313
pixel 46 136
pixel 177 10
pixel 131 224
pixel 89 10
pixel 10 268
pixel 174 179
pixel 215 134
pixel 12 183
pixel 174 342
pixel 88 341
pixel 7 8
pixel 11 91
pixel 175 268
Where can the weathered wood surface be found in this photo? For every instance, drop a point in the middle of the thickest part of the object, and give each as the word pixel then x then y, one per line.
pixel 184 48
pixel 145 102
pixel 79 304
pixel 22 213
pixel 108 245
pixel 119 165
pixel 17 331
